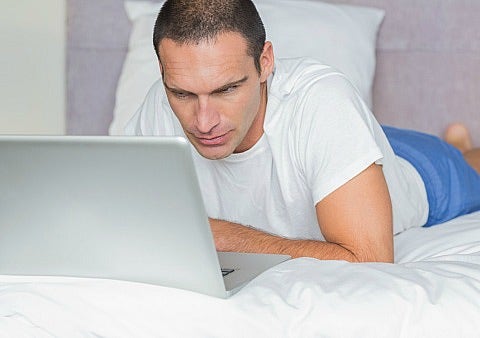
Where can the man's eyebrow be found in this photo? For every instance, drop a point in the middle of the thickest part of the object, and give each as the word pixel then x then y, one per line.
pixel 228 85
pixel 215 91
pixel 175 90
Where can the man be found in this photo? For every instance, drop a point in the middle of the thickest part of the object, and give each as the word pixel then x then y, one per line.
pixel 289 158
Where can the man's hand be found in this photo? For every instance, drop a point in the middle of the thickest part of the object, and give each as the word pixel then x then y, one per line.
pixel 355 220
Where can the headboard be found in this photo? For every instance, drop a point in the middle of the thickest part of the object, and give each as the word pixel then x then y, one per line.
pixel 428 63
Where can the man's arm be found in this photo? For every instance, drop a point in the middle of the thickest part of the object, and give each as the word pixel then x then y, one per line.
pixel 355 219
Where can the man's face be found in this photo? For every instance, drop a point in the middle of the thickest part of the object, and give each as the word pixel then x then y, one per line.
pixel 216 92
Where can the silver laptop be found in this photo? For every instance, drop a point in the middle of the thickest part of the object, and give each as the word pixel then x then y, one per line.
pixel 126 208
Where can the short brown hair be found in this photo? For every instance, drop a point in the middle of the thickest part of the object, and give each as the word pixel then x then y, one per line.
pixel 193 21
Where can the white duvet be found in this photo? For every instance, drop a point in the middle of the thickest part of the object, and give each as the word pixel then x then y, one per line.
pixel 432 291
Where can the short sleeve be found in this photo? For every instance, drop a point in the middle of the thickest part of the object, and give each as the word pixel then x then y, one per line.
pixel 335 133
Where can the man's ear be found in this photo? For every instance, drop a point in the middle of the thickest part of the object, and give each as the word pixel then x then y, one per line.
pixel 160 67
pixel 267 61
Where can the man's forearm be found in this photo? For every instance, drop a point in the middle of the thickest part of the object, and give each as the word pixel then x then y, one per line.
pixel 234 237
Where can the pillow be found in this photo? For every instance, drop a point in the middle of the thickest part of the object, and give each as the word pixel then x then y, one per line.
pixel 342 36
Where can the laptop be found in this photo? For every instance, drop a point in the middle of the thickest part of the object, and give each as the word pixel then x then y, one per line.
pixel 124 208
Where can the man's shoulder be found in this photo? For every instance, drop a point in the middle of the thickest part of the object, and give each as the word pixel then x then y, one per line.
pixel 293 97
pixel 293 72
pixel 298 65
pixel 306 93
pixel 297 76
pixel 154 116
pixel 157 91
pixel 307 82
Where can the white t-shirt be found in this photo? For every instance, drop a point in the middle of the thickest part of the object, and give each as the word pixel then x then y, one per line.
pixel 318 134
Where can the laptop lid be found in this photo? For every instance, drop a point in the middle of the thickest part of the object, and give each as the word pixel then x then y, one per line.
pixel 126 208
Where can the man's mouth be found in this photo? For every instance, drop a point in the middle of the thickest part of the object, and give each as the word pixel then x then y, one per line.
pixel 213 140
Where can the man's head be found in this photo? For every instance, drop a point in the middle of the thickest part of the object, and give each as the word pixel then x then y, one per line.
pixel 214 63
pixel 194 21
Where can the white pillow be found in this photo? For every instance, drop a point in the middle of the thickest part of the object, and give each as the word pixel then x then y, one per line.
pixel 343 36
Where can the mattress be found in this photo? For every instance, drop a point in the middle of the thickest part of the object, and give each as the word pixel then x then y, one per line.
pixel 432 290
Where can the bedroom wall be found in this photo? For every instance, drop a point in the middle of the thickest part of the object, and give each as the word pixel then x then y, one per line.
pixel 32 65
pixel 428 64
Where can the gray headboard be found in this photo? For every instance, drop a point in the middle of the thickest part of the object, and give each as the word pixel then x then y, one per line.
pixel 428 63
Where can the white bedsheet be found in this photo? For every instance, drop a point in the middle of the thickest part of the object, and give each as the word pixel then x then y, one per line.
pixel 432 291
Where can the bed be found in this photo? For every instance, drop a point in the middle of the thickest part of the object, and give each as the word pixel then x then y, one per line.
pixel 416 62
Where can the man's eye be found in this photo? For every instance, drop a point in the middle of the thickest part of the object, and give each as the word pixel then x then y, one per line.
pixel 180 95
pixel 229 89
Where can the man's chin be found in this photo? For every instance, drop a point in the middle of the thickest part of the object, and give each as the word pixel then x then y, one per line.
pixel 213 152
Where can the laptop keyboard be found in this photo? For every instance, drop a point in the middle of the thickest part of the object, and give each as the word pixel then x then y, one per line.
pixel 227 271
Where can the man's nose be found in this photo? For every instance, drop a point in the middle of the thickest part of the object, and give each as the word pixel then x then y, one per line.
pixel 207 115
